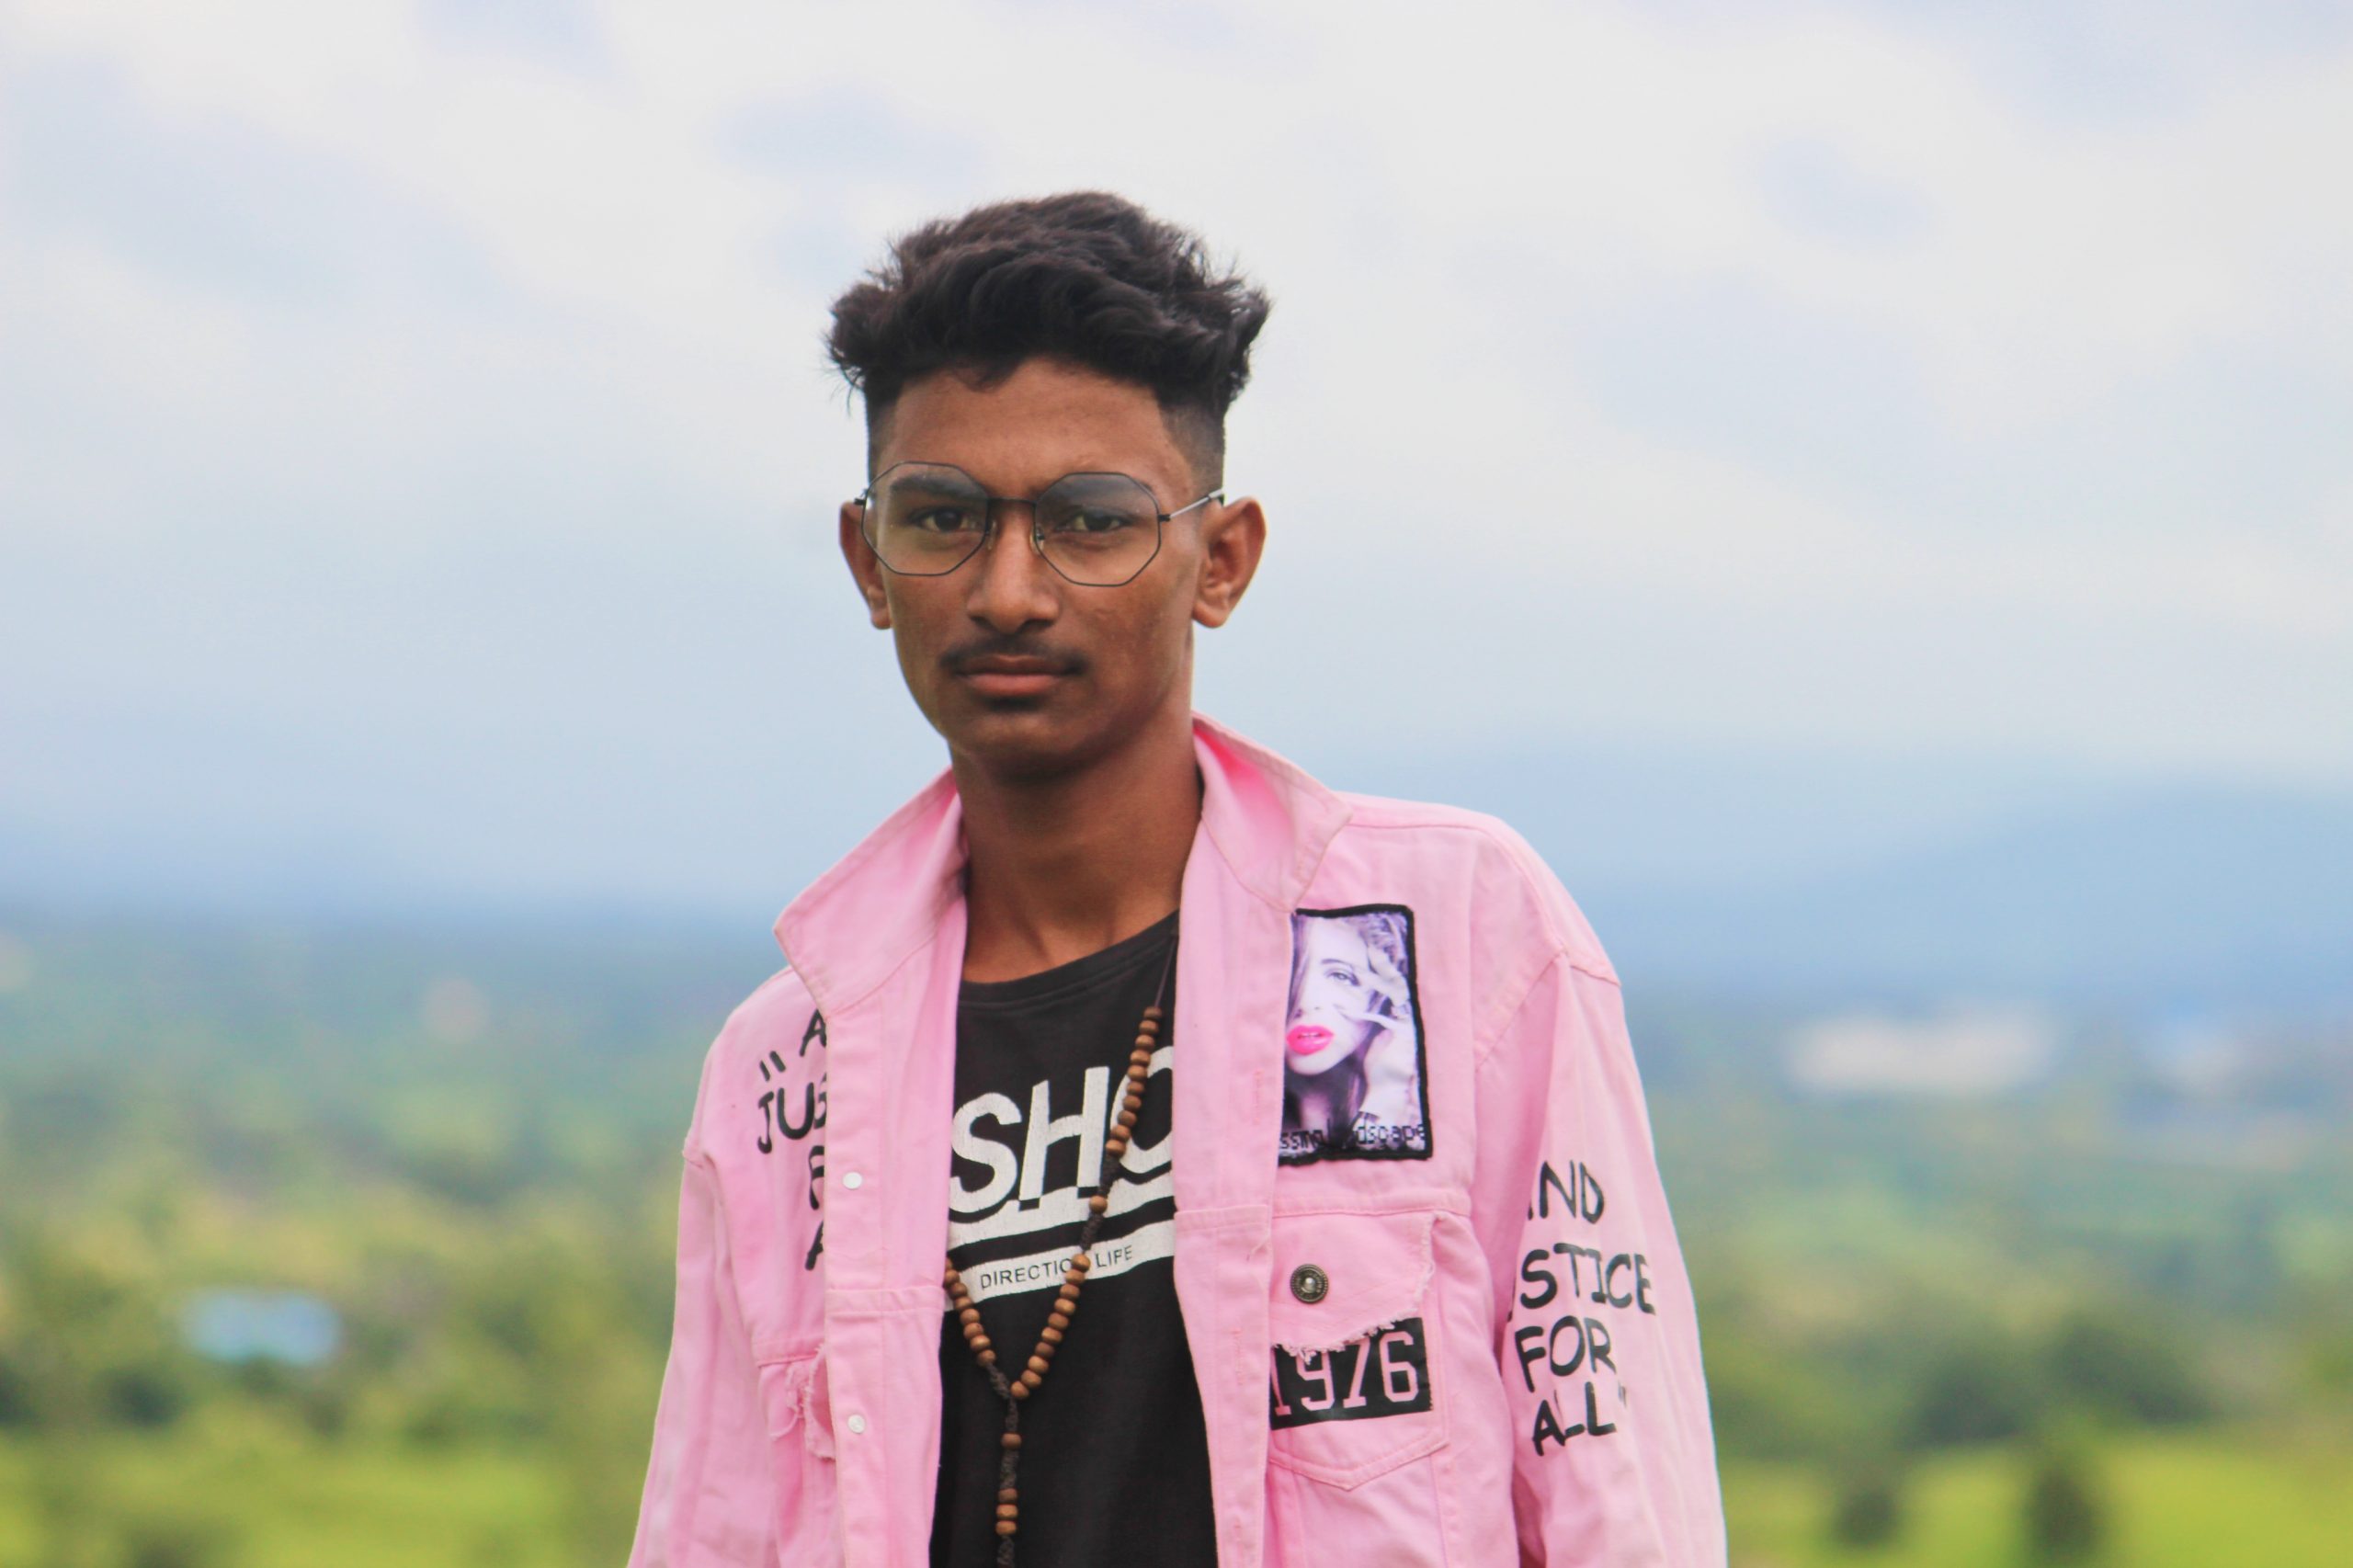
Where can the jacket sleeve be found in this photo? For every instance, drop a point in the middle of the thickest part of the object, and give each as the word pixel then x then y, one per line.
pixel 709 1500
pixel 1614 1462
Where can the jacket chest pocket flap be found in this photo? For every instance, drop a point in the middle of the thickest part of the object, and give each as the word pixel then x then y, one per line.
pixel 1356 1353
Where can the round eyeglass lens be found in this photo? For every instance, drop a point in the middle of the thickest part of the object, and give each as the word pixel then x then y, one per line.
pixel 926 518
pixel 1098 528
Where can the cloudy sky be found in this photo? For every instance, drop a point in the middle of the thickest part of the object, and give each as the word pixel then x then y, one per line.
pixel 418 463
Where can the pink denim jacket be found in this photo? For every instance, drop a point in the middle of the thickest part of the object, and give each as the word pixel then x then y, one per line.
pixel 1465 1338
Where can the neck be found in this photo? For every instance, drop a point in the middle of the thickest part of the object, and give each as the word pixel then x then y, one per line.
pixel 1062 866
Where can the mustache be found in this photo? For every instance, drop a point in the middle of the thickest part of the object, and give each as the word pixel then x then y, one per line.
pixel 961 658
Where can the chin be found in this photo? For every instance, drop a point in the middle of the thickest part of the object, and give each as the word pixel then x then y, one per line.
pixel 1018 738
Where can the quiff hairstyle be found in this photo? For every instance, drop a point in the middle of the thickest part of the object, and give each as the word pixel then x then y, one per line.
pixel 1086 276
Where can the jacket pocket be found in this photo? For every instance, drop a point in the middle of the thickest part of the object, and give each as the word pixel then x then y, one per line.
pixel 800 1419
pixel 1355 1388
pixel 792 1396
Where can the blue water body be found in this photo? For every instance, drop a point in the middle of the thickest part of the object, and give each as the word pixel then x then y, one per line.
pixel 292 1326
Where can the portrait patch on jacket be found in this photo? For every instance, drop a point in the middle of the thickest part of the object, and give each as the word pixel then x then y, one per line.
pixel 1354 1085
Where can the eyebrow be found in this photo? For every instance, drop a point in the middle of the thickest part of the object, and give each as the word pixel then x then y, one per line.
pixel 937 484
pixel 934 485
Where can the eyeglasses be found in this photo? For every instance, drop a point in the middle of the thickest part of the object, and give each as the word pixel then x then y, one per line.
pixel 1099 530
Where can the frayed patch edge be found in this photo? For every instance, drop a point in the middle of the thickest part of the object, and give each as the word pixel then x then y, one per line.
pixel 1419 1288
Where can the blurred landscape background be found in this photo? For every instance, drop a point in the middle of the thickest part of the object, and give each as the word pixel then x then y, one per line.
pixel 425 669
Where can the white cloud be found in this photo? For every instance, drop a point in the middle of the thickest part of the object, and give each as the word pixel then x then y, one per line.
pixel 577 297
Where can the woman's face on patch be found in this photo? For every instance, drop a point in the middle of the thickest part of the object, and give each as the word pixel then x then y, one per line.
pixel 1333 1014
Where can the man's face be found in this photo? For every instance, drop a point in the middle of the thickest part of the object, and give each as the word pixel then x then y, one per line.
pixel 1018 668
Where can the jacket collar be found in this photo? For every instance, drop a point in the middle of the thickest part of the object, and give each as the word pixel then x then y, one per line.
pixel 1264 818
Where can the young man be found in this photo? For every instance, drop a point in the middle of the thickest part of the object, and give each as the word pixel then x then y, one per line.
pixel 1151 1156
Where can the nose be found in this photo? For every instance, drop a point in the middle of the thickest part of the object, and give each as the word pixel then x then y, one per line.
pixel 1012 585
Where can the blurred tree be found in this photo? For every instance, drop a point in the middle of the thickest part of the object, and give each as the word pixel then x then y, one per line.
pixel 2107 1362
pixel 1867 1509
pixel 2066 1521
pixel 167 1540
pixel 1985 1389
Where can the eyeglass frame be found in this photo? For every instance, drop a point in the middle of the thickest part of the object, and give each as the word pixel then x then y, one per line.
pixel 989 504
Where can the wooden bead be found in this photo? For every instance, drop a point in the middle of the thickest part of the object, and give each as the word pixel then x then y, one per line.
pixel 1080 1262
pixel 1051 1335
pixel 1068 1292
pixel 1030 1380
pixel 968 1314
pixel 1060 1317
pixel 986 1357
pixel 1038 1365
pixel 1005 1526
pixel 1018 1389
pixel 1098 1203
pixel 1141 1057
pixel 1006 1511
pixel 1007 1495
pixel 1153 1014
pixel 1009 1440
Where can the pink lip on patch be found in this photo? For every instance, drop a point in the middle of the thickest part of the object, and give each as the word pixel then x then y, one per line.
pixel 1308 1038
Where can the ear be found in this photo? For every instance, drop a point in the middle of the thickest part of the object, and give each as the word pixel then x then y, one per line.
pixel 863 567
pixel 1234 535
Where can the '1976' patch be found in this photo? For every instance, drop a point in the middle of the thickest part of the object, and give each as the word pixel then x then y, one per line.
pixel 1387 1373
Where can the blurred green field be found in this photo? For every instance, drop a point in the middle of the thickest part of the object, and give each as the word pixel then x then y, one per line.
pixel 2219 1501
pixel 246 1493
pixel 259 1498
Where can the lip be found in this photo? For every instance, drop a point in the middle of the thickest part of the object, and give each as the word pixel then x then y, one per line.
pixel 1011 682
pixel 1306 1040
pixel 1002 676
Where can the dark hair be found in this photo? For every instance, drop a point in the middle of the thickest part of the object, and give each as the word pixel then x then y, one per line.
pixel 1086 276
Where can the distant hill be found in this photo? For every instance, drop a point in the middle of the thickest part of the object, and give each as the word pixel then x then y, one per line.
pixel 1803 876
pixel 2181 898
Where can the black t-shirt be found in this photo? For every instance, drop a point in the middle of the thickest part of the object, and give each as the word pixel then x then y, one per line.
pixel 1115 1463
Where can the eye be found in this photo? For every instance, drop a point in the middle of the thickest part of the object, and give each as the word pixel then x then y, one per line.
pixel 1090 520
pixel 941 519
pixel 1340 972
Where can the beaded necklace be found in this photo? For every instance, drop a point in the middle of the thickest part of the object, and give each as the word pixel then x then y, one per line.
pixel 1014 1390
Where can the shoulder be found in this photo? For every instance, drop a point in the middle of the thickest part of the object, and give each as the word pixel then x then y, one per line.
pixel 1511 898
pixel 763 1042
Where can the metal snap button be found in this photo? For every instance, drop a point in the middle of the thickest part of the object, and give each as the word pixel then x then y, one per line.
pixel 1309 1284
